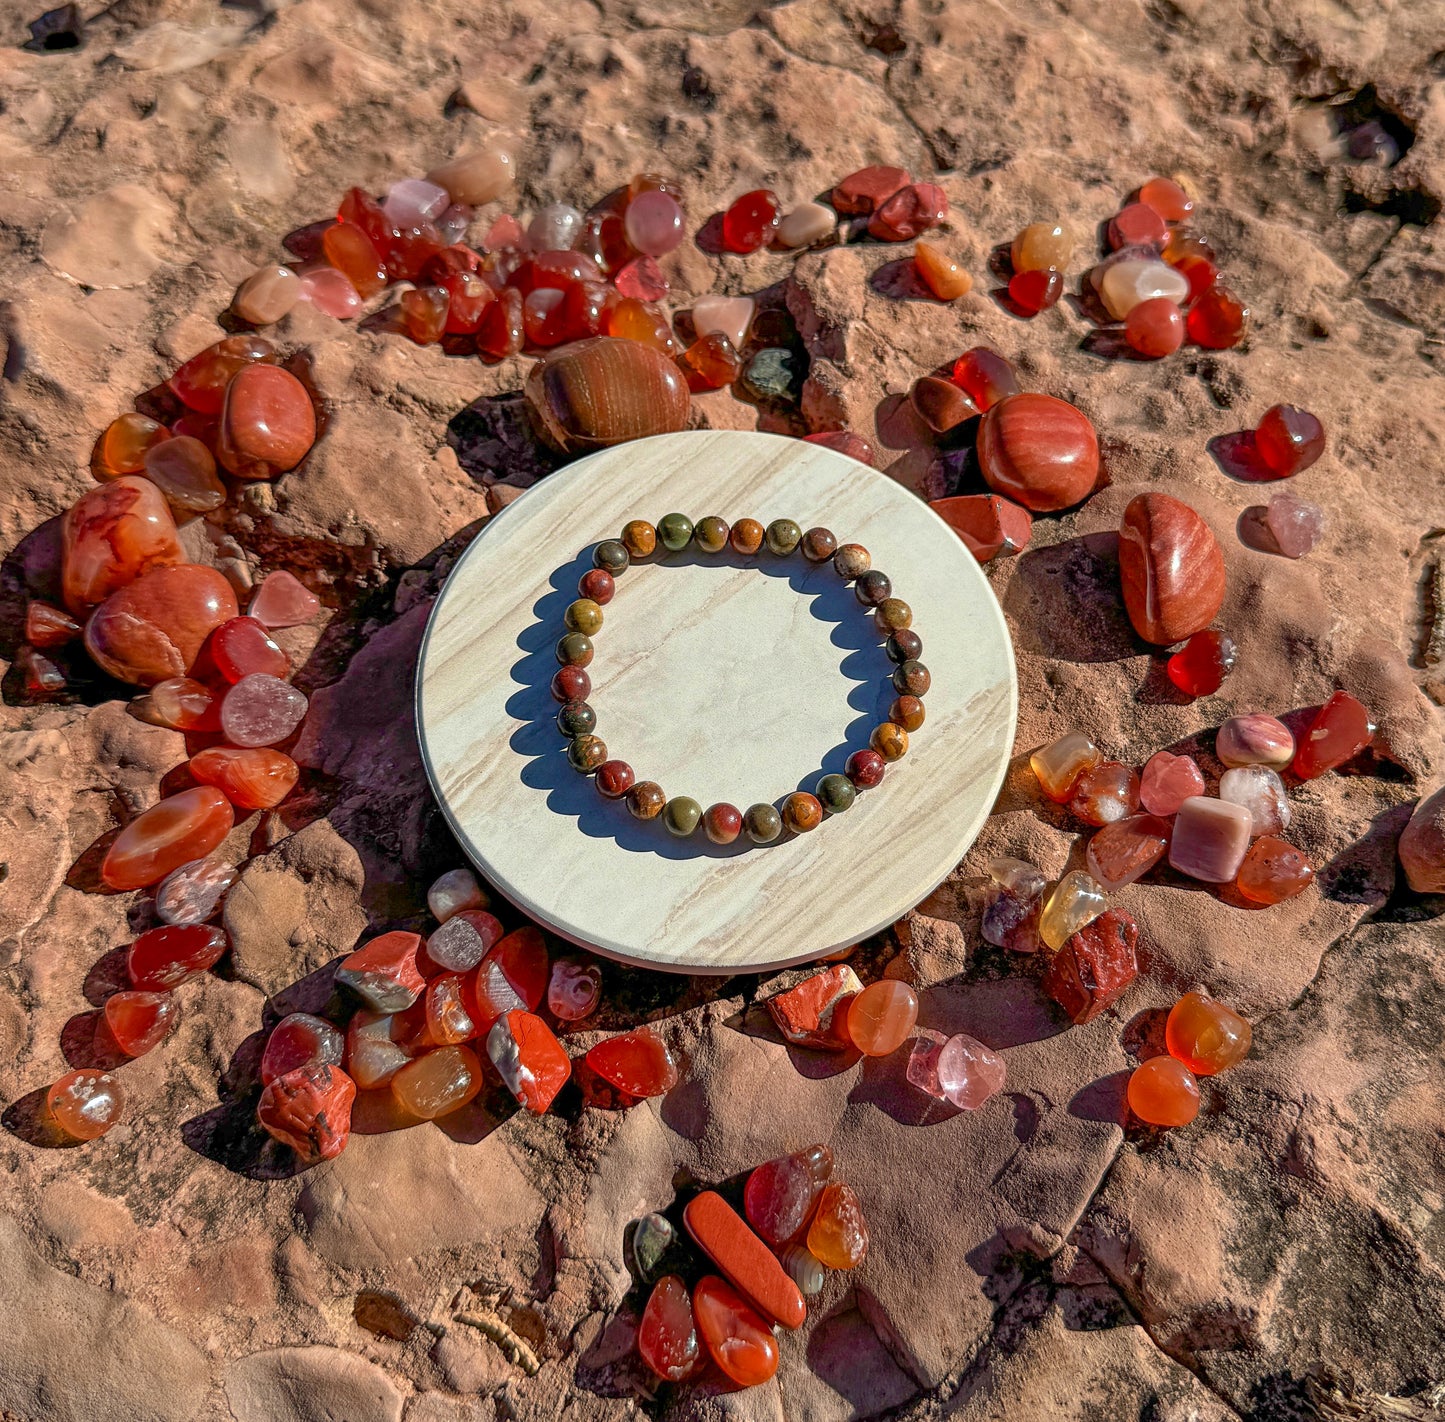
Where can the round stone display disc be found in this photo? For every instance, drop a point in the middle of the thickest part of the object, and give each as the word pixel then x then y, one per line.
pixel 722 678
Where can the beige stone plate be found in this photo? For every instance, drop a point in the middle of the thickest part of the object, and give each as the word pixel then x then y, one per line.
pixel 722 678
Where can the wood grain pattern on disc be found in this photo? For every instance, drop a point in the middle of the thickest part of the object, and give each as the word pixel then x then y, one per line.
pixel 722 678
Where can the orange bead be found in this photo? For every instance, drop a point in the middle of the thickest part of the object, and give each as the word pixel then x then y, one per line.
pixel 723 1235
pixel 881 1017
pixel 1205 1035
pixel 838 1235
pixel 736 1334
pixel 1163 1092
pixel 85 1104
pixel 255 779
pixel 181 828
pixel 123 445
pixel 112 535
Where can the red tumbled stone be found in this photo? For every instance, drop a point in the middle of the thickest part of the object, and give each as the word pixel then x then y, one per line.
pixel 309 1109
pixel 867 189
pixel 152 629
pixel 908 212
pixel 991 526
pixel 748 1263
pixel 268 423
pixel 1039 450
pixel 384 972
pixel 163 958
pixel 201 383
pixel 637 1062
pixel 1095 966
pixel 182 827
pixel 528 1058
pixel 751 221
pixel 1171 568
pixel 1137 225
pixel 1340 731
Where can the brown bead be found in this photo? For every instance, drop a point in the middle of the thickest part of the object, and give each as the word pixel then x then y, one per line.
pixel 646 799
pixel 890 741
pixel 873 588
pixel 639 538
pixel 911 678
pixel 892 615
pixel 1040 451
pixel 597 585
pixel 802 812
pixel 571 683
pixel 904 645
pixel 906 711
pixel 819 545
pixel 1171 569
pixel 268 423
pixel 852 560
pixel 711 534
pixel 746 536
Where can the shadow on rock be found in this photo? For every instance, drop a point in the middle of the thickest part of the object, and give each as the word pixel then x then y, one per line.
pixel 1065 601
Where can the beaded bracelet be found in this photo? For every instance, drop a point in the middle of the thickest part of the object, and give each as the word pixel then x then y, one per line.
pixel 763 823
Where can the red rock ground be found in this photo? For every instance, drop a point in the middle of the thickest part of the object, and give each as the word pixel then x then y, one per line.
pixel 1030 1262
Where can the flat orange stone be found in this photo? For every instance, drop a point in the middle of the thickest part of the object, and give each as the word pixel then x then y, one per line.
pixel 181 828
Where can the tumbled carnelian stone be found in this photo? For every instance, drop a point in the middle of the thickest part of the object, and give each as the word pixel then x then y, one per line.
pixel 153 629
pixel 1273 871
pixel 1167 198
pixel 112 535
pixel 1059 764
pixel 242 646
pixel 501 332
pixel 354 255
pixel 751 1267
pixel 301 1040
pixel 521 957
pixel 309 1109
pixel 751 221
pixel 138 1020
pixel 635 320
pixel 282 600
pixel 667 1335
pixel 183 704
pixel 1205 1035
pixel 838 1236
pixel 984 376
pixel 1163 1092
pixel 710 362
pixel 447 1017
pixel 181 828
pixel 86 1103
pixel 1154 328
pixel 251 779
pixel 736 1334
pixel 1104 793
pixel 424 313
pixel 1217 319
pixel 163 958
pixel 124 443
pixel 384 971
pixel 1036 291
pixel 881 1017
pixel 1199 667
pixel 1137 224
pixel 780 1194
pixel 375 1051
pixel 438 1082
pixel 201 383
pixel 637 1062
pixel 528 1058
pixel 943 276
pixel 1289 439
pixel 48 626
pixel 268 423
pixel 1340 731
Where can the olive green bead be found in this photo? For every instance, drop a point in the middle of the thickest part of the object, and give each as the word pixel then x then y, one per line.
pixel 911 678
pixel 675 531
pixel 762 824
pixel 892 615
pixel 576 718
pixel 782 536
pixel 639 538
pixel 575 650
pixel 711 534
pixel 819 544
pixel 584 616
pixel 872 587
pixel 852 560
pixel 586 753
pixel 835 793
pixel 611 556
pixel 681 815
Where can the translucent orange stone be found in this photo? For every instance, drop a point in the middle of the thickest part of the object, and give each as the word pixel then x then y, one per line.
pixel 1340 731
pixel 163 958
pixel 736 1335
pixel 183 704
pixel 123 445
pixel 184 470
pixel 1289 439
pixel 943 276
pixel 667 1336
pixel 309 1109
pixel 201 382
pixel 1155 328
pixel 447 1018
pixel 528 1058
pixel 1167 198
pixel 251 779
pixel 1104 793
pixel 1059 764
pixel 153 628
pixel 438 1082
pixel 375 1051
pixel 85 1104
pixel 984 376
pixel 880 1018
pixel 181 828
pixel 1217 320
pixel 1205 1035
pixel 1042 247
pixel 47 626
pixel 301 1040
pixel 635 320
pixel 354 255
pixel 424 313
pixel 139 1020
pixel 112 535
pixel 1036 291
pixel 780 1194
pixel 1163 1092
pixel 513 974
pixel 838 1236
pixel 242 646
pixel 268 423
pixel 282 600
pixel 637 1062
pixel 500 333
pixel 1273 871
pixel 710 362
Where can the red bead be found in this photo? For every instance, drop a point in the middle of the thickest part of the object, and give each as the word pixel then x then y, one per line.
pixel 1289 439
pixel 751 221
pixel 164 958
pixel 138 1020
pixel 571 683
pixel 1036 291
pixel 1167 198
pixel 1217 319
pixel 1340 731
pixel 722 823
pixel 984 376
pixel 637 1062
pixel 242 646
pixel 865 768
pixel 614 779
pixel 1200 666
pixel 1155 328
pixel 1137 225
pixel 599 585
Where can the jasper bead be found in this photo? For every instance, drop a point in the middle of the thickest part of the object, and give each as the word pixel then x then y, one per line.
pixel 1340 731
pixel 584 616
pixel 614 779
pixel 674 531
pixel 153 629
pixel 111 536
pixel 1205 1035
pixel 85 1103
pixel 1210 839
pixel 575 650
pixel 1163 1092
pixel 598 586
pixel 1218 319
pixel 604 391
pixel 571 683
pixel 819 545
pixel 851 561
pixel 268 423
pixel 1042 247
pixel 872 588
pixel 782 536
pixel 835 793
pixel 645 800
pixel 681 815
pixel 639 538
pixel 907 711
pixel 711 534
pixel 880 1017
pixel 746 536
pixel 1289 439
pixel 912 678
pixel 1254 739
pixel 904 645
pixel 801 812
pixel 865 768
pixel 182 827
pixel 586 753
pixel 1273 871
pixel 1171 568
pixel 612 557
pixel 576 718
pixel 1155 328
pixel 890 741
pixel 892 615
pixel 985 377
pixel 1201 665
pixel 722 823
pixel 1038 450
pixel 762 823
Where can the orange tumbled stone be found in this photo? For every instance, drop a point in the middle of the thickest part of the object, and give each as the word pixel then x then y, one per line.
pixel 1167 198
pixel 636 1062
pixel 838 1235
pixel 384 971
pixel 667 1335
pixel 251 779
pixel 354 255
pixel 123 445
pixel 139 1020
pixel 1171 569
pixel 112 535
pixel 1155 328
pixel 710 362
pixel 750 1266
pixel 1218 318
pixel 182 703
pixel 49 626
pixel 1038 450
pixel 881 1017
pixel 181 828
pixel 268 423
pixel 943 276
pixel 529 1058
pixel 447 1018
pixel 153 628
pixel 1273 871
pixel 1163 1092
pixel 201 383
pixel 736 1334
pixel 1205 1035
pixel 439 1082
pixel 309 1109
pixel 86 1103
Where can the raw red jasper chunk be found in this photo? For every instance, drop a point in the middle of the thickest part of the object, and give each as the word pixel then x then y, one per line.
pixel 749 1264
pixel 667 1336
pixel 528 1058
pixel 736 1334
pixel 181 828
pixel 384 972
pixel 867 189
pixel 1340 731
pixel 809 1015
pixel 138 1020
pixel 635 1062
pixel 1095 966
pixel 309 1109
pixel 164 958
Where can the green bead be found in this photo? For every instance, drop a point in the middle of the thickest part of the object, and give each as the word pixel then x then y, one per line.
pixel 612 557
pixel 575 650
pixel 586 753
pixel 584 616
pixel 675 531
pixel 576 718
pixel 681 815
pixel 783 536
pixel 762 823
pixel 835 793
pixel 711 534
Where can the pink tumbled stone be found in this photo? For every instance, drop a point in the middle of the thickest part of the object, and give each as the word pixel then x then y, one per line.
pixel 730 316
pixel 193 893
pixel 1254 739
pixel 573 990
pixel 961 1070
pixel 1296 524
pixel 330 292
pixel 1210 839
pixel 413 201
pixel 1168 781
pixel 261 710
pixel 653 222
pixel 282 601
